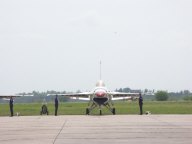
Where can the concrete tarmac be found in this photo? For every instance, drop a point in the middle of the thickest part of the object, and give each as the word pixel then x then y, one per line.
pixel 109 129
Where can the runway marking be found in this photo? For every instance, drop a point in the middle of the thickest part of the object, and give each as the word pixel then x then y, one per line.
pixel 60 131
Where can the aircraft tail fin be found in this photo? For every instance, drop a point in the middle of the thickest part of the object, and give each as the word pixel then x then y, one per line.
pixel 100 70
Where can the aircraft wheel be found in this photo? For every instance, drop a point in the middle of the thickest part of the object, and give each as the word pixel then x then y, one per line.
pixel 87 111
pixel 100 112
pixel 113 111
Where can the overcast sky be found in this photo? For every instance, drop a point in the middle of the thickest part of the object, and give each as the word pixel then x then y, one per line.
pixel 58 44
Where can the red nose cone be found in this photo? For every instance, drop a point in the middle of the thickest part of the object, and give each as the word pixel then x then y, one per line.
pixel 100 94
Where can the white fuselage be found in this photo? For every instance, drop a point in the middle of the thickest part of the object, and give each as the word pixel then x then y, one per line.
pixel 100 93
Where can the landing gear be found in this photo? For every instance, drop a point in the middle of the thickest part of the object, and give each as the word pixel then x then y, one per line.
pixel 87 111
pixel 100 112
pixel 113 111
pixel 108 105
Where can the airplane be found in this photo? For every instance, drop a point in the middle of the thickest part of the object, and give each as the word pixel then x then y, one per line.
pixel 100 96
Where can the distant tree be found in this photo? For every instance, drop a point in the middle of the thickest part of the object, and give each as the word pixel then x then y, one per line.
pixel 120 90
pixel 161 96
pixel 126 89
pixel 181 92
pixel 187 98
pixel 186 92
pixel 78 91
pixel 146 90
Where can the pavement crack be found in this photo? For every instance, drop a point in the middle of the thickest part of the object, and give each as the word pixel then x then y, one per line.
pixel 60 131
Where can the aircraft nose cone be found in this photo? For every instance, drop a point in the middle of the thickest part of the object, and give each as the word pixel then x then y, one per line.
pixel 100 94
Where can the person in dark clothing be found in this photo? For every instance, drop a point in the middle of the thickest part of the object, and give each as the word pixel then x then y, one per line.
pixel 56 105
pixel 11 105
pixel 141 104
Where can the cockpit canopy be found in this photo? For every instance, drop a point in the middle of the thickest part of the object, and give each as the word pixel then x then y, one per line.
pixel 100 83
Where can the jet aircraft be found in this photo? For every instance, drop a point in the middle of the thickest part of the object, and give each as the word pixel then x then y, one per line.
pixel 100 96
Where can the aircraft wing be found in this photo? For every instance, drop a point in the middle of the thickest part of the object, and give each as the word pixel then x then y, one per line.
pixel 77 96
pixel 8 96
pixel 123 96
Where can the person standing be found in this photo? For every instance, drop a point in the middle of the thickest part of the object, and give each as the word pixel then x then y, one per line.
pixel 56 105
pixel 11 105
pixel 141 104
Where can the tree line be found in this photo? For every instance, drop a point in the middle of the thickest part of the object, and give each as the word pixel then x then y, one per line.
pixel 149 95
pixel 161 95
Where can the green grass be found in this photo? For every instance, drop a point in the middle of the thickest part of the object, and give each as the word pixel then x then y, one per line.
pixel 169 107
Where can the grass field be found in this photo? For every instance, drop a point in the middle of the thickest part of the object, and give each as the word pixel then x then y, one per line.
pixel 181 107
